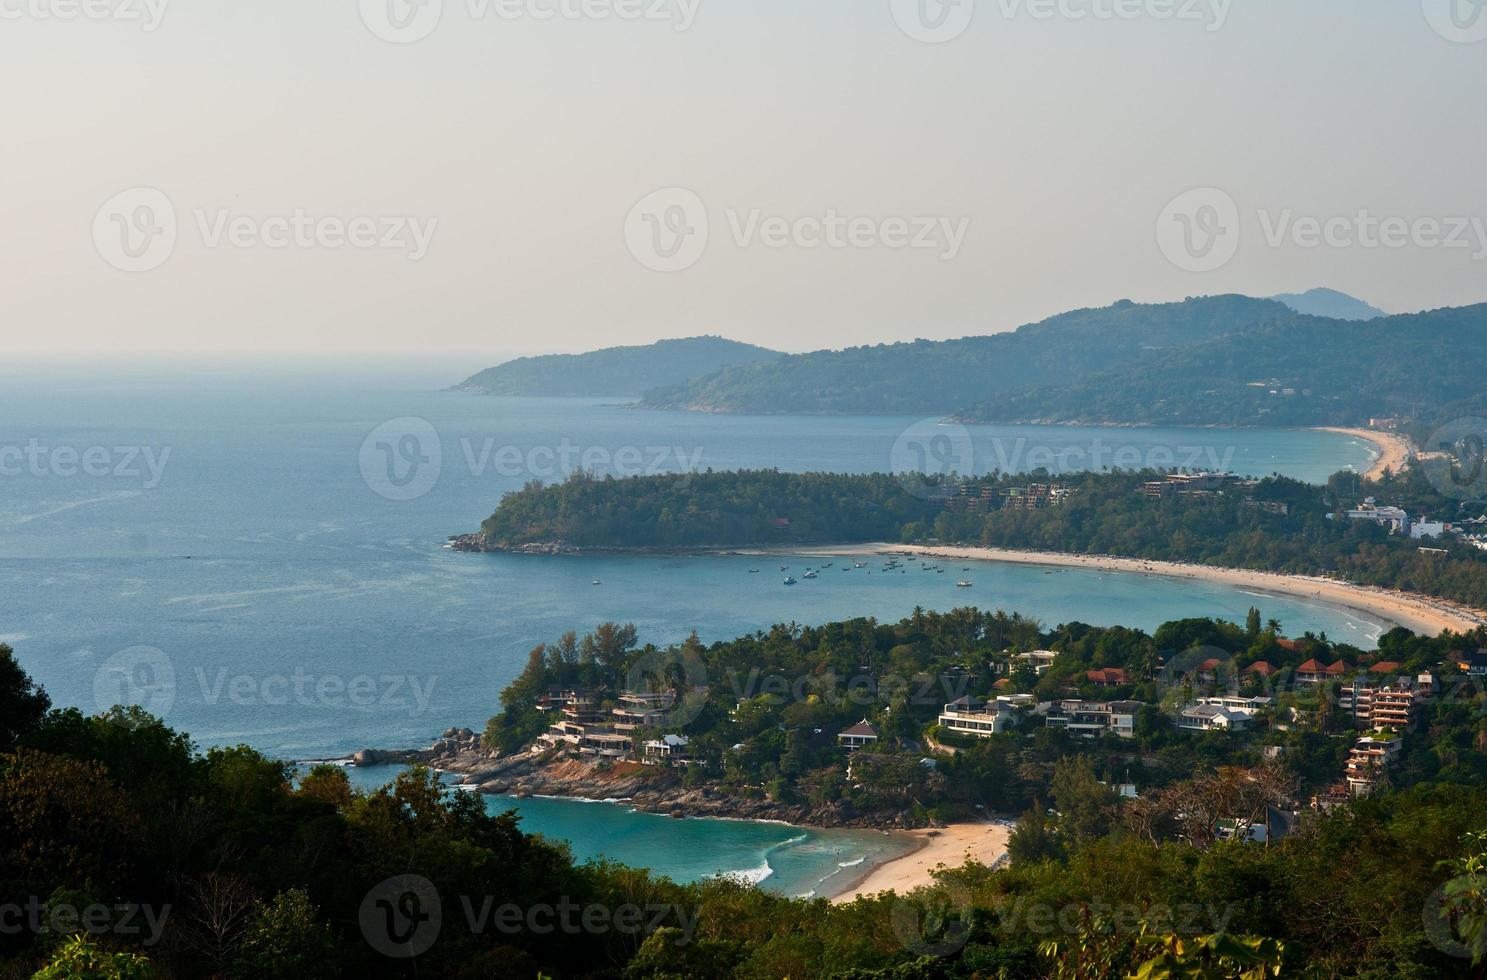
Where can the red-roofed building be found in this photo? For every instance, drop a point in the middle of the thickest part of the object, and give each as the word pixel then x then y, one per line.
pixel 1384 667
pixel 1315 672
pixel 1107 677
pixel 1311 672
pixel 1262 668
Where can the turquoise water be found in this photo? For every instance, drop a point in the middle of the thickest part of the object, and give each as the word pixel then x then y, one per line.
pixel 228 559
pixel 261 590
pixel 797 861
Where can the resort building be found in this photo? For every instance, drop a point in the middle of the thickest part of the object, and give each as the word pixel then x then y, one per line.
pixel 1091 718
pixel 584 726
pixel 972 716
pixel 1393 708
pixel 1316 672
pixel 1034 497
pixel 642 711
pixel 1222 713
pixel 666 750
pixel 858 736
pixel 1040 660
pixel 1107 677
pixel 1367 760
pixel 1395 519
pixel 1184 484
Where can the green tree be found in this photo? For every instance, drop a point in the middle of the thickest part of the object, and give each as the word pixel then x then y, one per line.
pixel 286 939
pixel 22 702
pixel 82 959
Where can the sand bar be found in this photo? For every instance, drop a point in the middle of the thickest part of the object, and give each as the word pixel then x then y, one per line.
pixel 950 846
pixel 1422 614
pixel 1394 450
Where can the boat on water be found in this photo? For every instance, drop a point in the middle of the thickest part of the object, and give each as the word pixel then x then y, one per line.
pixel 859 564
pixel 784 568
pixel 810 574
pixel 962 584
pixel 597 582
pixel 789 580
pixel 753 571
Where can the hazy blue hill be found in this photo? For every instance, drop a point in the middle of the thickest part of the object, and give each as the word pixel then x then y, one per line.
pixel 1330 303
pixel 1300 370
pixel 928 377
pixel 616 371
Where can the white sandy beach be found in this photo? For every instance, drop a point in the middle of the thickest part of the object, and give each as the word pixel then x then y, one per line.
pixel 1422 614
pixel 1394 449
pixel 950 846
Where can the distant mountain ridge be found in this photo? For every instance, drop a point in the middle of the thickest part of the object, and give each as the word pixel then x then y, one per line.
pixel 940 377
pixel 616 371
pixel 1330 303
pixel 1294 371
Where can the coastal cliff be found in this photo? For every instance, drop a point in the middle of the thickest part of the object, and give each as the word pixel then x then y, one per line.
pixel 652 789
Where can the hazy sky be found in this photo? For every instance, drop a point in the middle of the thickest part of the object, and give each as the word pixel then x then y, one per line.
pixel 496 167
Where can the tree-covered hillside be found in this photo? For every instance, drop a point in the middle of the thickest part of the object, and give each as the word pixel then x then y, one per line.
pixel 1291 372
pixel 615 371
pixel 1276 524
pixel 691 510
pixel 928 377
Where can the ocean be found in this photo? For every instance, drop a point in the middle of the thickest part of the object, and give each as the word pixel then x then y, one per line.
pixel 227 548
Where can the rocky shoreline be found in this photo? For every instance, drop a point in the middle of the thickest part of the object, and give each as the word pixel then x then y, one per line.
pixel 651 789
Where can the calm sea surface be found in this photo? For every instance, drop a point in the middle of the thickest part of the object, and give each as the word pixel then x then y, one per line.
pixel 258 556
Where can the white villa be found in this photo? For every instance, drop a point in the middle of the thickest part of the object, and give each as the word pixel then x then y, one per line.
pixel 971 716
